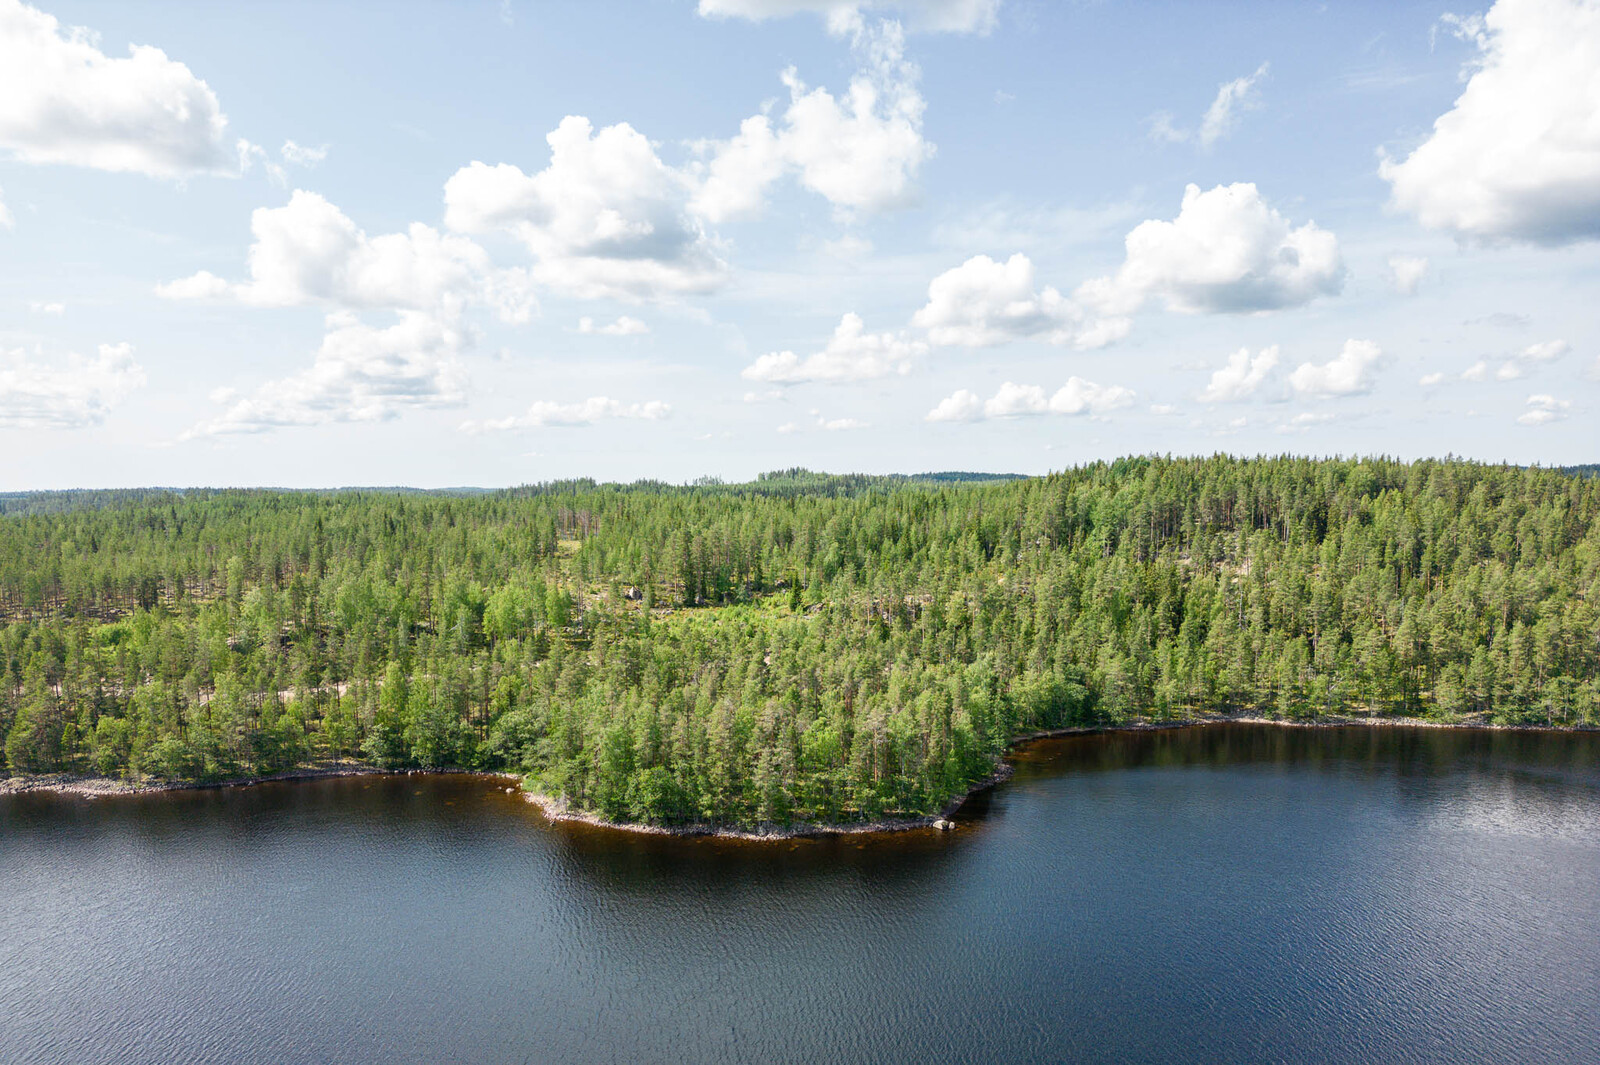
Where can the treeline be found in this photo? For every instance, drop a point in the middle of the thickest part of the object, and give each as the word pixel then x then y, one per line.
pixel 803 647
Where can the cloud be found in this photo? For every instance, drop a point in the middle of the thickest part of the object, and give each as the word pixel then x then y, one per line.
pixel 1516 366
pixel 1518 155
pixel 860 151
pixel 1406 273
pixel 1350 373
pixel 937 16
pixel 736 179
pixel 53 307
pixel 606 218
pixel 1233 98
pixel 1548 351
pixel 825 424
pixel 360 374
pixel 547 414
pixel 39 395
pixel 1300 422
pixel 1544 409
pixel 299 155
pixel 1223 114
pixel 851 354
pixel 1075 397
pixel 6 221
pixel 1162 129
pixel 310 252
pixel 1001 223
pixel 1503 319
pixel 963 405
pixel 983 303
pixel 249 154
pixel 848 246
pixel 1226 252
pixel 1431 380
pixel 622 327
pixel 62 100
pixel 1467 28
pixel 1241 377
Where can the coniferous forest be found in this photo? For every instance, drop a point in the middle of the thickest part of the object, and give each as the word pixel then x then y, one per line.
pixel 804 647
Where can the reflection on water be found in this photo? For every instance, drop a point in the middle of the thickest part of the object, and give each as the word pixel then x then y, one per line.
pixel 1221 893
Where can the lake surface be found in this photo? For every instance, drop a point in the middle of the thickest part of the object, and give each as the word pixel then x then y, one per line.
pixel 1226 893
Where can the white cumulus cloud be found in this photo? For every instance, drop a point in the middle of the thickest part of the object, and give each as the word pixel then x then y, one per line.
pixel 547 413
pixel 38 394
pixel 1228 251
pixel 1241 378
pixel 963 405
pixel 1350 373
pixel 1544 409
pixel 309 251
pixel 360 374
pixel 1077 396
pixel 861 151
pixel 1547 351
pixel 983 303
pixel 1406 273
pixel 606 218
pixel 1518 156
pixel 851 354
pixel 63 100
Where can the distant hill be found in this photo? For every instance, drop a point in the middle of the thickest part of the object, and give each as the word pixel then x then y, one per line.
pixel 61 502
pixel 965 477
pixel 65 501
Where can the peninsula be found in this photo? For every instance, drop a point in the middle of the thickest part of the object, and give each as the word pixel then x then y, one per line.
pixel 804 649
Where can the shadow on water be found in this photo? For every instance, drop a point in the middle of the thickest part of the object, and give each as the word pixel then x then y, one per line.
pixel 1397 749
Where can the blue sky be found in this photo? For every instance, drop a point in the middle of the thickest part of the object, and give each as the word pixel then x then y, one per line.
pixel 307 244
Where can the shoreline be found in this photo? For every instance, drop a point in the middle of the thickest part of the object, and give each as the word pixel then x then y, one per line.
pixel 557 811
pixel 93 787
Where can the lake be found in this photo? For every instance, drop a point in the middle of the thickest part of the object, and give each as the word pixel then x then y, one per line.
pixel 1224 893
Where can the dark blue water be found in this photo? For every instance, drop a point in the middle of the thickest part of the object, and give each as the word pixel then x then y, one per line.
pixel 1230 893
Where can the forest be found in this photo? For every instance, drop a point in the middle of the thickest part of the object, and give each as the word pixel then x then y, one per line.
pixel 801 648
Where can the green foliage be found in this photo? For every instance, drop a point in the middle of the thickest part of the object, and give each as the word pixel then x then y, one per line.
pixel 803 647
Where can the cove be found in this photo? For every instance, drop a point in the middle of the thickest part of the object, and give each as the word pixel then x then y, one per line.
pixel 1226 892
